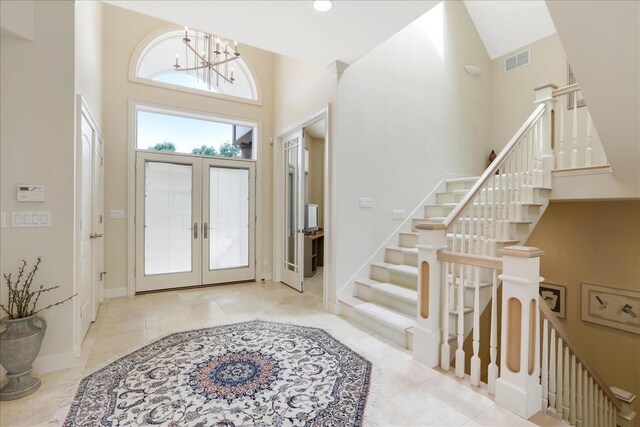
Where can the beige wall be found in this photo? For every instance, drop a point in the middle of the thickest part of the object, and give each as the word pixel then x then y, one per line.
pixel 598 243
pixel 122 32
pixel 37 135
pixel 88 52
pixel 512 97
pixel 408 113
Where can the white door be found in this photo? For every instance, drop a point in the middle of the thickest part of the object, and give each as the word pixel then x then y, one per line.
pixel 85 283
pixel 168 225
pixel 293 236
pixel 228 243
pixel 97 220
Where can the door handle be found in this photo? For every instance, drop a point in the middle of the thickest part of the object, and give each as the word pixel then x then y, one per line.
pixel 195 230
pixel 94 235
pixel 205 232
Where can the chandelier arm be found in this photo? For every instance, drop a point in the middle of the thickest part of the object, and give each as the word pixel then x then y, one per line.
pixel 199 67
pixel 224 61
pixel 221 75
pixel 202 58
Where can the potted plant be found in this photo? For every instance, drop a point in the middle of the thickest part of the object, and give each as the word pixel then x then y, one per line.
pixel 21 339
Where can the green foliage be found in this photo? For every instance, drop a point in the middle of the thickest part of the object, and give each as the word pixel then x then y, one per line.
pixel 229 150
pixel 205 151
pixel 163 146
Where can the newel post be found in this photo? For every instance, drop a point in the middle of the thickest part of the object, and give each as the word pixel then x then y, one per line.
pixel 518 389
pixel 426 334
pixel 544 95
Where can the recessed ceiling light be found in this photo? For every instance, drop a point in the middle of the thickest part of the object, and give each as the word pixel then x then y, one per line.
pixel 322 6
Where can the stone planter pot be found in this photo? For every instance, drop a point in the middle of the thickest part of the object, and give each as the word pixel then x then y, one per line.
pixel 20 343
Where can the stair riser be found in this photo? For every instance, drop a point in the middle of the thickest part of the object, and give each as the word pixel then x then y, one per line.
pixel 404 280
pixel 394 256
pixel 459 185
pixel 402 306
pixel 398 337
pixel 380 274
pixel 407 240
pixel 363 291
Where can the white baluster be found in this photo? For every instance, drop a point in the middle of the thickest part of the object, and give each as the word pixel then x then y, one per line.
pixel 588 153
pixel 585 399
pixel 552 372
pixel 559 381
pixel 485 219
pixel 445 349
pixel 609 412
pixel 572 393
pixel 460 326
pixel 544 375
pixel 561 153
pixel 574 149
pixel 463 236
pixel 600 407
pixel 475 359
pixel 593 413
pixel 566 387
pixel 492 373
pixel 579 407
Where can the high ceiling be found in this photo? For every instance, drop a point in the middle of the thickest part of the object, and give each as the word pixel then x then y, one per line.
pixel 292 28
pixel 507 25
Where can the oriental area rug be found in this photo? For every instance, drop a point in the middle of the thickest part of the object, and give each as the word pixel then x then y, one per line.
pixel 254 373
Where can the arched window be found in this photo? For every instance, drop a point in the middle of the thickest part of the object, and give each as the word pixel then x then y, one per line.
pixel 156 59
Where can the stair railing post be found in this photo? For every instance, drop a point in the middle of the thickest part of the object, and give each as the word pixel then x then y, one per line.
pixel 518 389
pixel 427 333
pixel 544 95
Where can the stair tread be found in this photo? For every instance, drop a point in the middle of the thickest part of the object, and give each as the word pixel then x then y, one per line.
pixel 387 316
pixel 351 301
pixel 404 269
pixel 368 282
pixel 396 291
pixel 463 179
pixel 384 264
pixel 402 249
pixel 466 310
pixel 409 233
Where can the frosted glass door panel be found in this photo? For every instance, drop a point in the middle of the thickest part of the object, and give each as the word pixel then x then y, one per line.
pixel 228 218
pixel 168 227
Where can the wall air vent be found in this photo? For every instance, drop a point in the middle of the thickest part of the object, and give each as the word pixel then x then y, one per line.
pixel 518 60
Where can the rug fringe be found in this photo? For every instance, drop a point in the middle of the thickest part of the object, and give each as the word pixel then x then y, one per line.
pixel 374 410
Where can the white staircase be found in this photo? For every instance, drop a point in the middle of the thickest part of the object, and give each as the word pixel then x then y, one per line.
pixel 386 302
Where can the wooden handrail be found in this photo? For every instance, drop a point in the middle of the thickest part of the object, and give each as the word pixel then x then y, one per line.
pixel 490 172
pixel 468 259
pixel 565 90
pixel 561 331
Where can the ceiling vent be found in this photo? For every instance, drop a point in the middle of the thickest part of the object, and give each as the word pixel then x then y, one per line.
pixel 518 60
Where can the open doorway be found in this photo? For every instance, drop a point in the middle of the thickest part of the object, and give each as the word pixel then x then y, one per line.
pixel 302 226
pixel 314 149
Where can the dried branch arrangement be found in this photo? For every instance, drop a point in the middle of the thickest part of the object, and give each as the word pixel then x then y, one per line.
pixel 22 300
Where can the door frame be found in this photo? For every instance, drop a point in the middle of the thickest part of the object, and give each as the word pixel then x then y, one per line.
pixel 278 189
pixel 97 294
pixel 134 105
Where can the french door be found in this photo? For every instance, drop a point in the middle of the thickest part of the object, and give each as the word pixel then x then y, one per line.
pixel 293 247
pixel 195 221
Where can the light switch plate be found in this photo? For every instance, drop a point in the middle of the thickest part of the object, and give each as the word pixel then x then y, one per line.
pixel 116 213
pixel 31 219
pixel 30 193
pixel 366 202
pixel 399 213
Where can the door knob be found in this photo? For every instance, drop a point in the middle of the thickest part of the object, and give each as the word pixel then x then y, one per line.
pixel 94 235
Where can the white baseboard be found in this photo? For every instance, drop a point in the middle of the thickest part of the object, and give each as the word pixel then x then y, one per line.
pixel 55 362
pixel 116 292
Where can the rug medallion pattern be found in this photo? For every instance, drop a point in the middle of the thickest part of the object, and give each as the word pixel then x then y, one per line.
pixel 245 374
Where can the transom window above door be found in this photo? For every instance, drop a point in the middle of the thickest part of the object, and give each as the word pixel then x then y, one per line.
pixel 171 58
pixel 164 131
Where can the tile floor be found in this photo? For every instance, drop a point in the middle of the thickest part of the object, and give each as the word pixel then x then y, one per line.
pixel 410 394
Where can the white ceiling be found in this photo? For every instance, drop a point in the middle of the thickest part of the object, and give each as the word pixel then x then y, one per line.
pixel 292 28
pixel 507 25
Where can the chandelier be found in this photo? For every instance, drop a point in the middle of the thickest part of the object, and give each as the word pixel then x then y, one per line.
pixel 208 57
